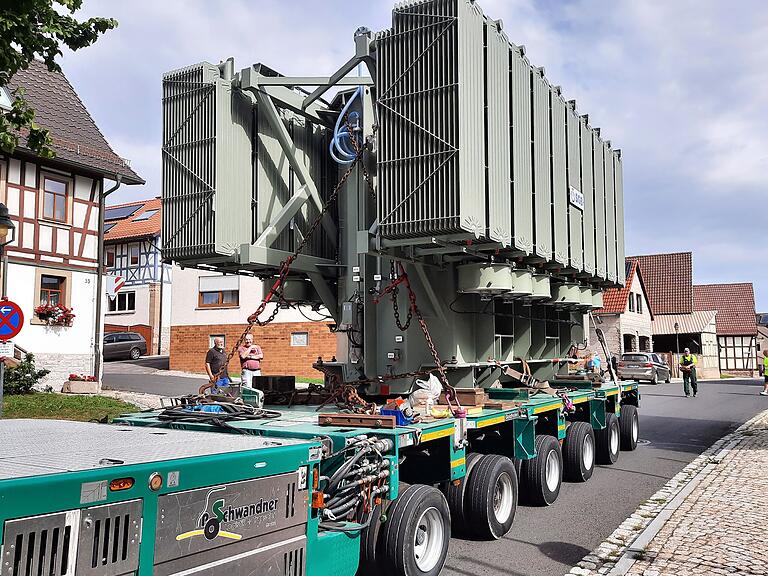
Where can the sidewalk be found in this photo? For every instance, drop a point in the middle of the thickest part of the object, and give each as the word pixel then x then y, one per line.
pixel 709 519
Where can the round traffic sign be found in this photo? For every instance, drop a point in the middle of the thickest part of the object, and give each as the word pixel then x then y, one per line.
pixel 11 319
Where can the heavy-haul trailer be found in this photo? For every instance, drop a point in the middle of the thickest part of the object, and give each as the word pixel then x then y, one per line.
pixel 476 464
pixel 141 499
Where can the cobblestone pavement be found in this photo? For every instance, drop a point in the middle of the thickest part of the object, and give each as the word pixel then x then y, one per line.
pixel 709 519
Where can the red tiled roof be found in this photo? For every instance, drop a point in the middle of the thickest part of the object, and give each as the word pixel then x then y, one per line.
pixel 126 228
pixel 615 299
pixel 668 280
pixel 735 305
pixel 76 138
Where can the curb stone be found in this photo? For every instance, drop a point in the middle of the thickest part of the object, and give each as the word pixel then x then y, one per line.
pixel 618 552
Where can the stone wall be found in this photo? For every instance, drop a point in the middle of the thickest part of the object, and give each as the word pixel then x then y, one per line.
pixel 61 366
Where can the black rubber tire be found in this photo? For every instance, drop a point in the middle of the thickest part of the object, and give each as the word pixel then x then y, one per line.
pixel 395 555
pixel 369 540
pixel 630 427
pixel 456 495
pixel 604 453
pixel 518 463
pixel 577 436
pixel 668 380
pixel 488 472
pixel 533 472
pixel 135 353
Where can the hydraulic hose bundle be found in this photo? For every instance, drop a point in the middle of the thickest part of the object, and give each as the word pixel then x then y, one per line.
pixel 353 490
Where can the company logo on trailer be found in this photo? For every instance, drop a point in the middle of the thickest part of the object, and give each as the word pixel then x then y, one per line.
pixel 209 523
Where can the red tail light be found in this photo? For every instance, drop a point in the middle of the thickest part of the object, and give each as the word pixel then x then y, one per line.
pixel 647 364
pixel 622 364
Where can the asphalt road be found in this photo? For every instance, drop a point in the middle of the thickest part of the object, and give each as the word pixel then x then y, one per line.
pixel 148 375
pixel 549 541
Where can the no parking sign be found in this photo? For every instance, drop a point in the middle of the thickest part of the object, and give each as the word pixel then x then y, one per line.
pixel 11 319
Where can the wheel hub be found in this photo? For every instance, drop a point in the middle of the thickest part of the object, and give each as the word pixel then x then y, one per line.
pixel 635 429
pixel 588 452
pixel 614 440
pixel 428 539
pixel 552 471
pixel 503 498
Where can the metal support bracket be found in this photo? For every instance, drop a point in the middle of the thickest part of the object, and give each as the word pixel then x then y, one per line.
pixel 283 217
pixel 437 305
pixel 299 168
pixel 362 55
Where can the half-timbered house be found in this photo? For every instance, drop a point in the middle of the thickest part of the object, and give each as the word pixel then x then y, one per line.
pixel 54 203
pixel 132 246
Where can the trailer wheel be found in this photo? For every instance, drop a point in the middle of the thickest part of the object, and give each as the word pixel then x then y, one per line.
pixel 369 538
pixel 518 463
pixel 456 495
pixel 579 452
pixel 608 440
pixel 630 427
pixel 542 476
pixel 491 497
pixel 414 539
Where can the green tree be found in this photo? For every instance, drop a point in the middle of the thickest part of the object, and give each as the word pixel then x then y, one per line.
pixel 35 28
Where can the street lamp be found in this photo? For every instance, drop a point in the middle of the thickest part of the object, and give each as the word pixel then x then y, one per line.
pixel 677 337
pixel 7 228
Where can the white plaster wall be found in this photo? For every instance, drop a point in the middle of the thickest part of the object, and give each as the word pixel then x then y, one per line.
pixel 139 316
pixel 186 312
pixel 61 349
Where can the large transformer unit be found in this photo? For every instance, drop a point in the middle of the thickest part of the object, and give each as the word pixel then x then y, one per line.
pixel 456 165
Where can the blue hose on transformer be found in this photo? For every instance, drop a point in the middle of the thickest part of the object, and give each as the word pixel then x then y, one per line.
pixel 340 148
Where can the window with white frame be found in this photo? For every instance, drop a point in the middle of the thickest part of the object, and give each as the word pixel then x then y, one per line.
pixel 123 302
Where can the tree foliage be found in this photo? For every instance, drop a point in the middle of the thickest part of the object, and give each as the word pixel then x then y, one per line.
pixel 36 28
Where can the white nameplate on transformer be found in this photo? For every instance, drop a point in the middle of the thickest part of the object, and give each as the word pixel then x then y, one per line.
pixel 576 198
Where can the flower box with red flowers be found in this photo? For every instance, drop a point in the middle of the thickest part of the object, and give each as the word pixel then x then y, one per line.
pixel 81 378
pixel 55 314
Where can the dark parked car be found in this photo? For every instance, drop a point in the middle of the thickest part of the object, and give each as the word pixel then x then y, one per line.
pixel 643 366
pixel 122 345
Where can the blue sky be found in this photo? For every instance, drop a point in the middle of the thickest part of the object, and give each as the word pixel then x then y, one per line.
pixel 681 87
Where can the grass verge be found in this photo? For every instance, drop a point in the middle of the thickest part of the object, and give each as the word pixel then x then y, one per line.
pixel 64 407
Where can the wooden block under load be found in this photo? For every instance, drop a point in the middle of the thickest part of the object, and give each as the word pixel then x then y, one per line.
pixel 468 397
pixel 501 405
pixel 357 420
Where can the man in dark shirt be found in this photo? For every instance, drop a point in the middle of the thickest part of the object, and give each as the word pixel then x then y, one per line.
pixel 215 359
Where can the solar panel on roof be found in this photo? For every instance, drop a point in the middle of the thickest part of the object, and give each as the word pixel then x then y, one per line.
pixel 146 215
pixel 109 226
pixel 120 212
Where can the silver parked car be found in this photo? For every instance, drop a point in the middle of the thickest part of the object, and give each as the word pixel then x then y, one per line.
pixel 643 366
pixel 124 345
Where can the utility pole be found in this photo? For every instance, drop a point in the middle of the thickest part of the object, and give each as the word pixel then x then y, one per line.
pixel 7 235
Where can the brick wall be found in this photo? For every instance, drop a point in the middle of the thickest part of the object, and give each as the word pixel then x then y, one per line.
pixel 189 345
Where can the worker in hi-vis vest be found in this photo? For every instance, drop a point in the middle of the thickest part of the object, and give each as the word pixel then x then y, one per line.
pixel 765 373
pixel 688 368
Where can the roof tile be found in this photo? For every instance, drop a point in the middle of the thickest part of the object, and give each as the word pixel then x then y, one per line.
pixel 668 280
pixel 735 305
pixel 127 228
pixel 76 138
pixel 615 299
